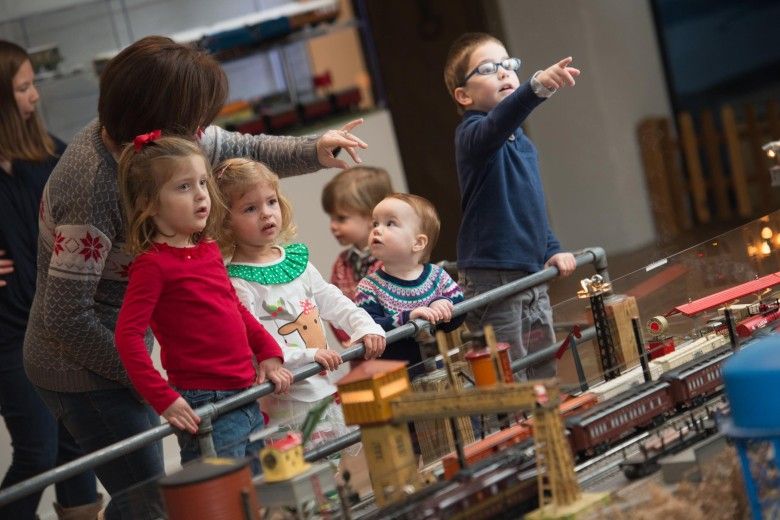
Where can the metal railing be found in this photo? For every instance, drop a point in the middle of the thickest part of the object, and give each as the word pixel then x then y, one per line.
pixel 593 255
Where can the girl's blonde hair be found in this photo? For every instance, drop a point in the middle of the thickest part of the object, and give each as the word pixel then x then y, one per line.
pixel 142 173
pixel 234 178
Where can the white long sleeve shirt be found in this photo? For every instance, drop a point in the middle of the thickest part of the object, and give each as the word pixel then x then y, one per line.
pixel 290 298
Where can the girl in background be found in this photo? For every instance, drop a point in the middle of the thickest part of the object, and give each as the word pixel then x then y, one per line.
pixel 27 156
pixel 278 284
pixel 179 286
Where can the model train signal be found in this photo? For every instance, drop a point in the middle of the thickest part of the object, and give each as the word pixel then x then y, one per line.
pixel 657 325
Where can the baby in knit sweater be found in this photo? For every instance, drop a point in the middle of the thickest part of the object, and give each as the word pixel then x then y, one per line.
pixel 406 287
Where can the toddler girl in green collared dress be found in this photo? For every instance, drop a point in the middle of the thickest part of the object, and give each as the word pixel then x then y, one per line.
pixel 282 289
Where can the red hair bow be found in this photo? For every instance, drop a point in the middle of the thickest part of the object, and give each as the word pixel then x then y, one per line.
pixel 141 140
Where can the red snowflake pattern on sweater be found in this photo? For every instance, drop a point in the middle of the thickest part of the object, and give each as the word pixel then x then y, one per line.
pixel 92 248
pixel 58 241
pixel 124 270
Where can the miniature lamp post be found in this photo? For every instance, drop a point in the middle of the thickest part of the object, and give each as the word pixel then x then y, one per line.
pixel 595 288
pixel 752 376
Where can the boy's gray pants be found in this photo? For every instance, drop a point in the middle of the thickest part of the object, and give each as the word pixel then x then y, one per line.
pixel 523 320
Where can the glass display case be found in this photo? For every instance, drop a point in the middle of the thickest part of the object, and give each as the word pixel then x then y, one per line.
pixel 745 254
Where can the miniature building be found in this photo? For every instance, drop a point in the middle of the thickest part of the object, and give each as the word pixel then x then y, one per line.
pixel 367 390
pixel 391 461
pixel 620 309
pixel 283 459
pixel 365 395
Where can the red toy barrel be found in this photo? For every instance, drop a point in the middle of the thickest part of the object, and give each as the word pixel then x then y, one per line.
pixel 482 366
pixel 211 489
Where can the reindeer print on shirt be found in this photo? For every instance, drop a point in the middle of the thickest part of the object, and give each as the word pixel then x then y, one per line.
pixel 307 323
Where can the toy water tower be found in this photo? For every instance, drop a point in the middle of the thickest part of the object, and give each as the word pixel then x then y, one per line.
pixel 752 377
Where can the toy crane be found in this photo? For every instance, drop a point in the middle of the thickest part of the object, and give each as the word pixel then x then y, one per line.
pixel 594 288
pixel 377 395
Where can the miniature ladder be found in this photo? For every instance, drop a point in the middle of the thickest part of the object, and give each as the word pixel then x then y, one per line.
pixel 555 475
pixel 609 361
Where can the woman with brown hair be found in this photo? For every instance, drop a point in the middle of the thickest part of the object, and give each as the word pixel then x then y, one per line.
pixel 27 156
pixel 69 354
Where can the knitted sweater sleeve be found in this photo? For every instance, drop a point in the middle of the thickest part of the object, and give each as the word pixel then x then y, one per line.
pixel 368 300
pixel 83 227
pixel 448 289
pixel 286 156
pixel 553 245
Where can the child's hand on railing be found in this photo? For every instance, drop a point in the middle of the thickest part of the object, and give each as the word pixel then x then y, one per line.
pixel 272 369
pixel 565 263
pixel 182 416
pixel 443 308
pixel 328 358
pixel 424 313
pixel 375 345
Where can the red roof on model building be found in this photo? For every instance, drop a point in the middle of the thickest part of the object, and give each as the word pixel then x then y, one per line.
pixel 289 441
pixel 719 298
pixel 371 369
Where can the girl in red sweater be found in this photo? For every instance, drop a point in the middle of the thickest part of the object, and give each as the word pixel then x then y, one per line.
pixel 178 286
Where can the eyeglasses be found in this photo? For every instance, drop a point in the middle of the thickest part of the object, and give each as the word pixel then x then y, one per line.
pixel 490 67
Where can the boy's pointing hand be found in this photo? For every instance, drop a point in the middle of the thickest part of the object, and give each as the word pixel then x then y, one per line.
pixel 558 75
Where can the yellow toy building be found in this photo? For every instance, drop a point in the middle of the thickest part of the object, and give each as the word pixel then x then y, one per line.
pixel 367 390
pixel 365 395
pixel 282 459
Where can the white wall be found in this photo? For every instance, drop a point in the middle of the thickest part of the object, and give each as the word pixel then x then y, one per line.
pixel 586 136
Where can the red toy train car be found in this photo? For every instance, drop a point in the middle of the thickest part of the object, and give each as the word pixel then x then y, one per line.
pixel 646 405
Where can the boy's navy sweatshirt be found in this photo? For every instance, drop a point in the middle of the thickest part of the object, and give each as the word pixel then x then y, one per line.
pixel 504 223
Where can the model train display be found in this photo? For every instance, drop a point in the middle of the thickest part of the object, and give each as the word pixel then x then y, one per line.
pixel 682 378
pixel 500 478
pixel 646 405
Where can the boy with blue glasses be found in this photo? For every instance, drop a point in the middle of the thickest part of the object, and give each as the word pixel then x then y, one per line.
pixel 504 233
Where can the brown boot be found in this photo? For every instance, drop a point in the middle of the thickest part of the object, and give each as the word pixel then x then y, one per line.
pixel 85 512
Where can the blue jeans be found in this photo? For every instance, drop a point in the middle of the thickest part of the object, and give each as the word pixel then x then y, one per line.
pixel 99 418
pixel 231 430
pixel 523 320
pixel 39 441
